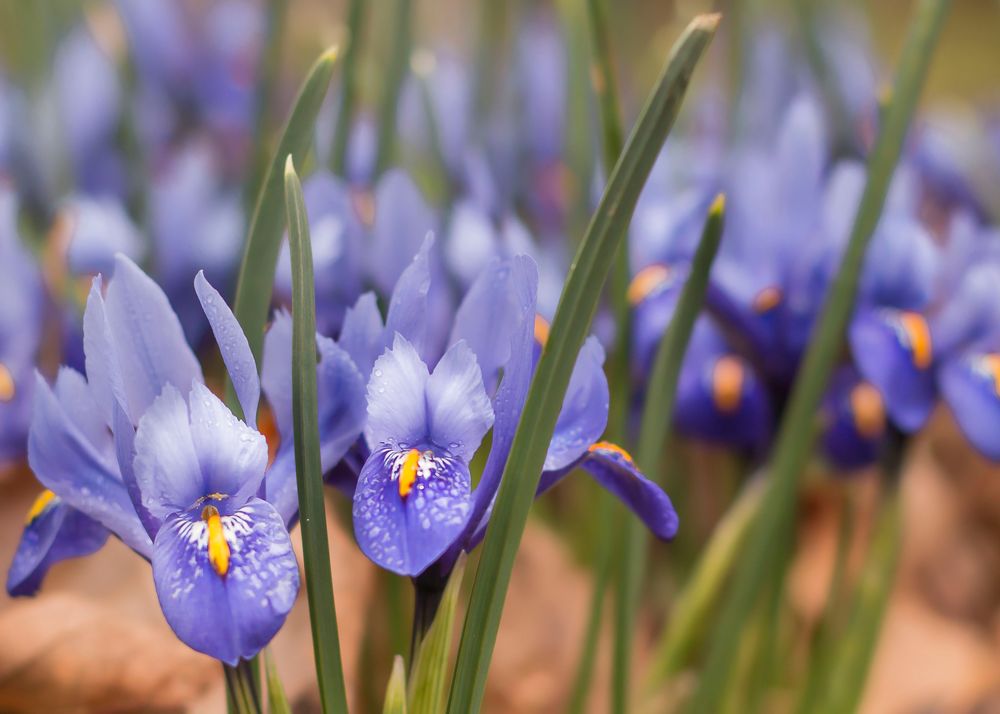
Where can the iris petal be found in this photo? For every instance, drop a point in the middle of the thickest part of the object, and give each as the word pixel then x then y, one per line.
pixel 58 533
pixel 233 345
pixel 232 455
pixel 64 461
pixel 363 334
pixel 585 408
pixel 232 616
pixel 458 410
pixel 893 350
pixel 409 307
pixel 402 219
pixel 166 463
pixel 487 318
pixel 615 471
pixel 407 533
pixel 149 342
pixel 397 409
pixel 969 384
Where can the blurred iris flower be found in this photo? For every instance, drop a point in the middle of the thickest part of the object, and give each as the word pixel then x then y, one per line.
pixel 142 449
pixel 22 300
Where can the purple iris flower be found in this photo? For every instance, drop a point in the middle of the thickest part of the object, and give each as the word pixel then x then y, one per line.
pixel 141 448
pixel 414 506
pixel 195 223
pixel 21 313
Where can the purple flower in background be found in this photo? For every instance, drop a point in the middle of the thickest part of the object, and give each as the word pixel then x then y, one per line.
pixel 21 313
pixel 141 448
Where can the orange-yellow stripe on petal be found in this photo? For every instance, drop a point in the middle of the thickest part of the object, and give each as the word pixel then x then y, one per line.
pixel 868 410
pixel 541 330
pixel 727 383
pixel 918 336
pixel 645 282
pixel 408 472
pixel 7 387
pixel 38 507
pixel 767 299
pixel 218 548
pixel 613 448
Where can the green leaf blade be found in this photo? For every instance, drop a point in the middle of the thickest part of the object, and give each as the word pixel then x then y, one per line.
pixel 277 702
pixel 308 471
pixel 267 225
pixel 577 306
pixel 395 691
pixel 429 674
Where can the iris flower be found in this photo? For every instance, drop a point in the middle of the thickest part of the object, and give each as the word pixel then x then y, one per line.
pixel 142 449
pixel 414 506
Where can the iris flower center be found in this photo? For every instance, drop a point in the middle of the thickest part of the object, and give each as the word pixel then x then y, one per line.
pixel 408 472
pixel 646 282
pixel 218 548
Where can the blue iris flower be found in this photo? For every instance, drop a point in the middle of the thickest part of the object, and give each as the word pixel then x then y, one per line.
pixel 21 312
pixel 142 449
pixel 414 505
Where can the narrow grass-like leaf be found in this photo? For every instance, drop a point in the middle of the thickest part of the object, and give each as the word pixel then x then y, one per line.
pixel 267 73
pixel 308 472
pixel 848 667
pixel 260 253
pixel 691 610
pixel 654 432
pixel 395 691
pixel 577 306
pixel 429 674
pixel 399 63
pixel 606 90
pixel 775 521
pixel 348 86
pixel 277 702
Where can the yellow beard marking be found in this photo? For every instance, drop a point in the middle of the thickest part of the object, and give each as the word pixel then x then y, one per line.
pixel 38 507
pixel 868 410
pixel 645 282
pixel 408 472
pixel 7 387
pixel 919 336
pixel 541 330
pixel 727 384
pixel 766 300
pixel 614 448
pixel 218 548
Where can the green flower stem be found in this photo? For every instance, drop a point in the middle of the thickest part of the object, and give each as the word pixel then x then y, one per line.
pixel 399 62
pixel 348 86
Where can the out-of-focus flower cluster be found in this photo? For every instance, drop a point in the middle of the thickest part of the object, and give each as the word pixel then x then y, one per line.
pixel 431 314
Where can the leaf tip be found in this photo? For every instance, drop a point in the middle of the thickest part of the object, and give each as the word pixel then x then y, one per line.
pixel 718 206
pixel 708 21
pixel 330 55
pixel 289 167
